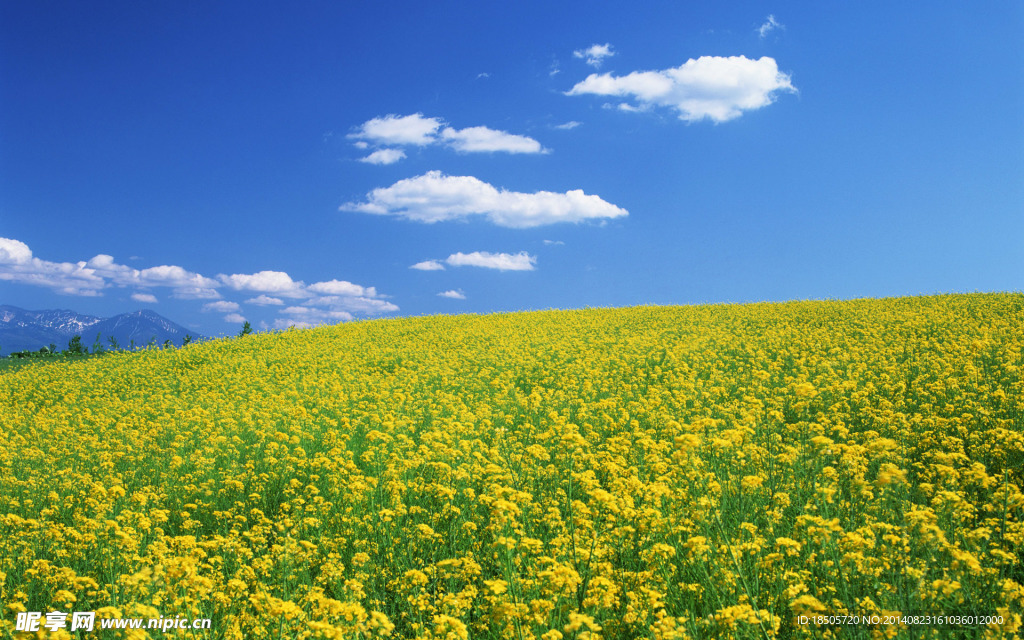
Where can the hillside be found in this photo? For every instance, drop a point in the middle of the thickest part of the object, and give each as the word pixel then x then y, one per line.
pixel 656 472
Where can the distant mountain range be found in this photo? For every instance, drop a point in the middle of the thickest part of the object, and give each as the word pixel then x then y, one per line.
pixel 22 330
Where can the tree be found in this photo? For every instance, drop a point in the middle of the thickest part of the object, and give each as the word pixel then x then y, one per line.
pixel 246 329
pixel 113 343
pixel 97 346
pixel 188 339
pixel 75 346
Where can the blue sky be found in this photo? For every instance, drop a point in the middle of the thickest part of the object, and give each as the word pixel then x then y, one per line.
pixel 316 162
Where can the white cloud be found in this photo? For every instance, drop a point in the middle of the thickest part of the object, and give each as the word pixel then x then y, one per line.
pixel 265 300
pixel 572 124
pixel 342 288
pixel 709 87
pixel 384 156
pixel 770 24
pixel 17 264
pixel 453 294
pixel 435 197
pixel 483 139
pixel 363 304
pixel 234 318
pixel 594 55
pixel 196 293
pixel 419 130
pixel 428 265
pixel 397 130
pixel 553 242
pixel 277 282
pixel 172 276
pixel 312 317
pixel 221 306
pixel 14 252
pixel 288 323
pixel 521 261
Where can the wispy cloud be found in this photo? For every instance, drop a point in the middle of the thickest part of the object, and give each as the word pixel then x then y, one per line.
pixel 521 261
pixel 717 88
pixel 428 265
pixel 221 306
pixel 594 55
pixel 770 24
pixel 384 156
pixel 310 316
pixel 435 197
pixel 572 124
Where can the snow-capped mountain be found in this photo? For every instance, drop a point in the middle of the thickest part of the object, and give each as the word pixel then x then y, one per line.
pixel 29 330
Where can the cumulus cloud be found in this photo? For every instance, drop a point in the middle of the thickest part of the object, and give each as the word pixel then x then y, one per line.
pixel 234 318
pixel 453 294
pixel 594 55
pixel 89 278
pixel 221 306
pixel 435 197
pixel 521 261
pixel 14 252
pixel 399 130
pixel 264 300
pixel 418 130
pixel 717 88
pixel 483 139
pixel 428 265
pixel 17 264
pixel 770 24
pixel 277 282
pixel 173 276
pixel 384 156
pixel 342 288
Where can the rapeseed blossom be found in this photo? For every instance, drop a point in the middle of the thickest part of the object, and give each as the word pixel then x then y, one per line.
pixel 654 472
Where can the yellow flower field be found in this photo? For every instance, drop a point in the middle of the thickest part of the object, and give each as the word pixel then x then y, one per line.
pixel 652 472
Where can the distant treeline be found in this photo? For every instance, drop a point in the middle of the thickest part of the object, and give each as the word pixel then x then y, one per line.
pixel 76 348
